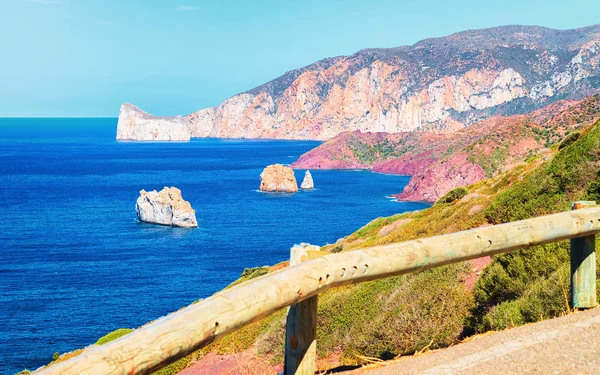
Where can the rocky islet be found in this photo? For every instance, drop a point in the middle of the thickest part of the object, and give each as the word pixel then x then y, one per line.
pixel 166 207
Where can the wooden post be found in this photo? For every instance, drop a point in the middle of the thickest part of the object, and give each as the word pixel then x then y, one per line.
pixel 301 326
pixel 583 267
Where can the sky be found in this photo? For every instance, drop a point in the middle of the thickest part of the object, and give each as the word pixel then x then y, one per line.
pixel 84 58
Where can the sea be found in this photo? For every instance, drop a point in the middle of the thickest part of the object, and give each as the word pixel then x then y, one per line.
pixel 75 263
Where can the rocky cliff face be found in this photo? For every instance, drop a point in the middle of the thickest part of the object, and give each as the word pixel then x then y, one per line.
pixel 135 124
pixel 166 207
pixel 441 162
pixel 438 84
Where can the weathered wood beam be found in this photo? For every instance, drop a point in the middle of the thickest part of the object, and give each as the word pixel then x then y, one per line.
pixel 174 336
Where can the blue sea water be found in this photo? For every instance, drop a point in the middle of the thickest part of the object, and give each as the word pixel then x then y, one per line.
pixel 76 264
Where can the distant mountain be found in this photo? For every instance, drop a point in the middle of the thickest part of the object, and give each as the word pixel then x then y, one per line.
pixel 439 84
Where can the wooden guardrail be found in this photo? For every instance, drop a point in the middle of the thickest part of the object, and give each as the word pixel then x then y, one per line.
pixel 157 344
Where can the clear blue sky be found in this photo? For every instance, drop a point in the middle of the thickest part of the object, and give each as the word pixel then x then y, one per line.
pixel 86 57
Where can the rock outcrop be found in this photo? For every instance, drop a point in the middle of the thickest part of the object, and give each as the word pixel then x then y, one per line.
pixel 438 84
pixel 135 124
pixel 165 207
pixel 307 182
pixel 278 178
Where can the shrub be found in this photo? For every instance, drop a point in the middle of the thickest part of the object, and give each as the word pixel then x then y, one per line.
pixel 510 274
pixel 251 273
pixel 337 249
pixel 453 195
pixel 113 335
pixel 569 139
pixel 426 309
pixel 547 297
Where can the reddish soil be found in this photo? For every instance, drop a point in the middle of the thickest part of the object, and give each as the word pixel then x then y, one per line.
pixel 477 266
pixel 244 363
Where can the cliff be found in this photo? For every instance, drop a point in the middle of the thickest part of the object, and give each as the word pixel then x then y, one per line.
pixel 438 84
pixel 135 124
pixel 441 162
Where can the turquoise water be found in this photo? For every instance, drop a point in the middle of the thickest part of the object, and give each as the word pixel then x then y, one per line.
pixel 76 264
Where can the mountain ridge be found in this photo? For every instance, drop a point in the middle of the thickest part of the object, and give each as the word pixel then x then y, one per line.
pixel 438 84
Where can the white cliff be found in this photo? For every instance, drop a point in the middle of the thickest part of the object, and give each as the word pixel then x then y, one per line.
pixel 135 124
pixel 308 182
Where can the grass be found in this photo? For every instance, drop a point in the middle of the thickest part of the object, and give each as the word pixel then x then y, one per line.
pixel 113 335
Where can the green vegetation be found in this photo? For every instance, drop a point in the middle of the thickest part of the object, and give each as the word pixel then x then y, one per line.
pixel 569 139
pixel 527 286
pixel 491 164
pixel 453 195
pixel 552 187
pixel 250 273
pixel 113 335
pixel 383 150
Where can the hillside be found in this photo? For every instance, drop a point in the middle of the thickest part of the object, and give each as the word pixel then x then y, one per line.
pixel 436 308
pixel 438 84
pixel 441 162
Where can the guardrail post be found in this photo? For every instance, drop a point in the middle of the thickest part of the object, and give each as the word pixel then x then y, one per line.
pixel 301 326
pixel 583 267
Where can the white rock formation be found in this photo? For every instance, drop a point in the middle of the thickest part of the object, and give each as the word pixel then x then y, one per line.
pixel 166 207
pixel 135 124
pixel 308 182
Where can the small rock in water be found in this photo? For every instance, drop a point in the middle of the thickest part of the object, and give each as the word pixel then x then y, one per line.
pixel 307 183
pixel 166 207
pixel 278 178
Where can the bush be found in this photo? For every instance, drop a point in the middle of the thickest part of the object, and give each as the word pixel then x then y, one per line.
pixel 545 298
pixel 426 309
pixel 393 316
pixel 113 335
pixel 251 273
pixel 453 195
pixel 509 275
pixel 569 139
pixel 337 249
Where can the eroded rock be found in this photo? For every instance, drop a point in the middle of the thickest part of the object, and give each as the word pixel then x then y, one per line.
pixel 166 207
pixel 308 182
pixel 278 178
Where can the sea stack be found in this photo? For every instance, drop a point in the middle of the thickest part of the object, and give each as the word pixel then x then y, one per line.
pixel 165 207
pixel 307 183
pixel 137 125
pixel 278 178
